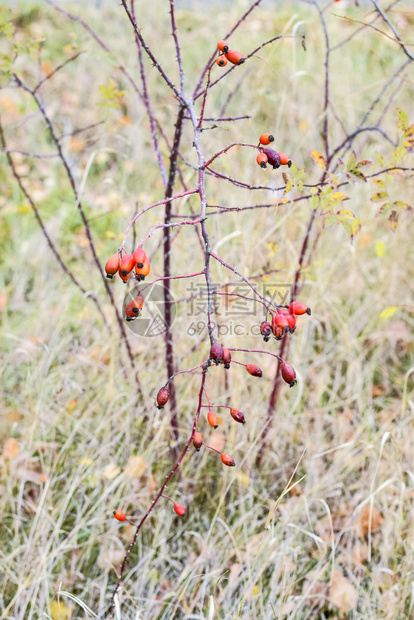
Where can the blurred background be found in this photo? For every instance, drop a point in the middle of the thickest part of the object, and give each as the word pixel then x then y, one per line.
pixel 78 442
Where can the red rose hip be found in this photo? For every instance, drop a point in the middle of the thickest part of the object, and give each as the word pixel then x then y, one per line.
pixel 288 374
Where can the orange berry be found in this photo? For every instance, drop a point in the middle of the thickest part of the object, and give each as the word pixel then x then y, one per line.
pixel 162 397
pixel 262 160
pixel 221 61
pixel 180 510
pixel 127 264
pixel 119 515
pixel 197 441
pixel 284 159
pixel 226 357
pixel 266 139
pixel 143 271
pixel 124 278
pixel 223 46
pixel 296 307
pixel 133 308
pixel 254 370
pixel 139 257
pixel 112 265
pixel 212 419
pixel 235 57
pixel 228 460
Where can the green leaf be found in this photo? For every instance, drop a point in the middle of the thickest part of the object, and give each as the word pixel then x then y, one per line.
pixel 402 120
pixel 351 163
pixel 379 197
pixel 385 208
pixel 314 202
pixel 5 16
pixel 330 219
pixel 294 168
pixel 358 174
pixel 347 227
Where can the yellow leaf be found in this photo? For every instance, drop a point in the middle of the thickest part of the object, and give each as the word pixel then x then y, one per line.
pixel 387 313
pixel 136 467
pixel 110 234
pixel 85 461
pixel 319 159
pixel 11 449
pixel 111 471
pixel 337 196
pixel 59 611
pixel 23 208
pixel 255 590
pixel 380 248
pixel 284 200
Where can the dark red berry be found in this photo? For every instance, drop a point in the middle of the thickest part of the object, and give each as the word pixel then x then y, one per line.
pixel 265 330
pixel 238 416
pixel 288 374
pixel 162 397
pixel 272 157
pixel 254 370
pixel 216 353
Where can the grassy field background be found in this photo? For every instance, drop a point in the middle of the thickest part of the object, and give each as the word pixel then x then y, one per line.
pixel 77 443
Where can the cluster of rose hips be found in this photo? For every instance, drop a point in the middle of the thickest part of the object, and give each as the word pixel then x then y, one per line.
pixel 218 355
pixel 282 323
pixel 137 262
pixel 225 54
pixel 269 156
pixel 124 266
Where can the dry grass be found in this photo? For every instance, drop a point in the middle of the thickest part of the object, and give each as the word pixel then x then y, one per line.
pixel 75 415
